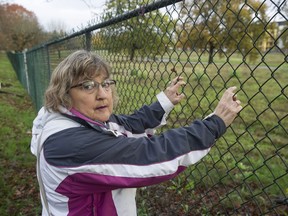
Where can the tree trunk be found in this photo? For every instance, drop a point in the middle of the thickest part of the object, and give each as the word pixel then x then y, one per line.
pixel 132 53
pixel 133 48
pixel 211 51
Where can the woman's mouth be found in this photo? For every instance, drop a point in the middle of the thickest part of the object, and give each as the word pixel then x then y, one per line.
pixel 101 107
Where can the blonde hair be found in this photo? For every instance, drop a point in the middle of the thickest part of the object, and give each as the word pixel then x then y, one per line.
pixel 77 67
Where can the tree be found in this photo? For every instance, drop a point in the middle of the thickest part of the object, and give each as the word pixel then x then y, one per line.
pixel 145 34
pixel 222 26
pixel 284 32
pixel 19 28
pixel 57 26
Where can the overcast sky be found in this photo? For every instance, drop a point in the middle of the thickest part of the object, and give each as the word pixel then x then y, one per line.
pixel 71 13
pixel 75 14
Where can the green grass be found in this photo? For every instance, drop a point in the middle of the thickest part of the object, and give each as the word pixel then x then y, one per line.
pixel 18 182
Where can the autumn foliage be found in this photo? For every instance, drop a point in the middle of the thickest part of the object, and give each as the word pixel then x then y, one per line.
pixel 19 28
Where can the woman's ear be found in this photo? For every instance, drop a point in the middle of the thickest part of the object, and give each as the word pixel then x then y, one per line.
pixel 66 101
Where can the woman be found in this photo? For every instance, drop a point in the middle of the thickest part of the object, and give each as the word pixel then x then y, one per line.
pixel 89 161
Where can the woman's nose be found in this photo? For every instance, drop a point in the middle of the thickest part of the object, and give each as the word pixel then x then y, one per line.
pixel 101 93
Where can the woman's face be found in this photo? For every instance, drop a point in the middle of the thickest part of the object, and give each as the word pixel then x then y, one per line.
pixel 95 103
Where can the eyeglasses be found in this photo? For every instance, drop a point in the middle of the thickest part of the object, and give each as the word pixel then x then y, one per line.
pixel 91 85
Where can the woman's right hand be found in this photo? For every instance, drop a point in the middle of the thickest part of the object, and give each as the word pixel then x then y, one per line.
pixel 228 106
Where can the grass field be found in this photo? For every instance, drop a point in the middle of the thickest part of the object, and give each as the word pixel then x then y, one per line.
pixel 246 170
pixel 19 191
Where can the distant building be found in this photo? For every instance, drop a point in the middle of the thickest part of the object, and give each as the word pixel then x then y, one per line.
pixel 273 36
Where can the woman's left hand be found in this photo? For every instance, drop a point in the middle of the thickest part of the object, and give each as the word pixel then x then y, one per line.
pixel 172 91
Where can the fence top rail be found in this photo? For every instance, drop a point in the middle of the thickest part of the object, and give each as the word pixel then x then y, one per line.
pixel 140 11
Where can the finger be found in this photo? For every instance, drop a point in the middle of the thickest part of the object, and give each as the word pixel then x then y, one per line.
pixel 178 88
pixel 173 81
pixel 176 80
pixel 180 83
pixel 180 78
pixel 229 94
pixel 238 102
pixel 232 89
pixel 180 96
pixel 239 108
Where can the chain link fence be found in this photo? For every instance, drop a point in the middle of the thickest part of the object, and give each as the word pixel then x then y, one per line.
pixel 213 44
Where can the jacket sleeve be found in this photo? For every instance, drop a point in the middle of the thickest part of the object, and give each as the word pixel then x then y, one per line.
pixel 147 117
pixel 105 161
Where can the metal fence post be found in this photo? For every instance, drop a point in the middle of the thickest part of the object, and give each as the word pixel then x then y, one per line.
pixel 48 61
pixel 26 70
pixel 88 37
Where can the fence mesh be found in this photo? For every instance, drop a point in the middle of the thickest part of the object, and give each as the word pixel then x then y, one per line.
pixel 213 44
